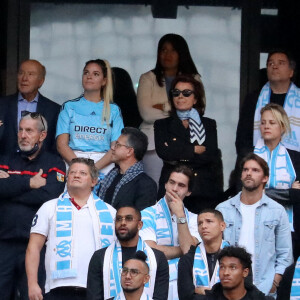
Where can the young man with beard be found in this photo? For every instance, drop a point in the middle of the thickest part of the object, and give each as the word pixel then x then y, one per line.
pixel 104 281
pixel 235 265
pixel 198 270
pixel 134 276
pixel 259 224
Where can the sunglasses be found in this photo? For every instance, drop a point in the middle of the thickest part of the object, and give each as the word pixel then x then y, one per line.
pixel 33 115
pixel 185 93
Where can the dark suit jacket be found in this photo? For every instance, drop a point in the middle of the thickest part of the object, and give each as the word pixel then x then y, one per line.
pixel 140 192
pixel 172 144
pixel 9 139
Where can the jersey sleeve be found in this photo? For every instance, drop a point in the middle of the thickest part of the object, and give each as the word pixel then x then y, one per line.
pixel 117 122
pixel 63 122
pixel 193 226
pixel 148 232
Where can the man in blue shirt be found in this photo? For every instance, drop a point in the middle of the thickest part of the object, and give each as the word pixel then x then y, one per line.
pixel 259 224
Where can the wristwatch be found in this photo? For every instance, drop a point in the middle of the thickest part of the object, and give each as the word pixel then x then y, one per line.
pixel 181 220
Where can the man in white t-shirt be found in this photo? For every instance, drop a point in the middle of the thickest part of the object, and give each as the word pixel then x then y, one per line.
pixel 74 225
pixel 259 224
pixel 169 226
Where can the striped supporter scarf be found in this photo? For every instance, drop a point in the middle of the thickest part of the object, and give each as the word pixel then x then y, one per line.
pixel 200 267
pixel 291 107
pixel 295 290
pixel 113 264
pixel 282 172
pixel 63 264
pixel 164 230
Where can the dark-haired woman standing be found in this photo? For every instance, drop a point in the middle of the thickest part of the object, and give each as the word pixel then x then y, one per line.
pixel 173 58
pixel 188 138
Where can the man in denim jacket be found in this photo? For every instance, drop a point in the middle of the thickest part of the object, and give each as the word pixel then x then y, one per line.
pixel 260 224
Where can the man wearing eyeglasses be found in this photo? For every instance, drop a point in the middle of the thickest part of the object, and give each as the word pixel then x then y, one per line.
pixel 134 276
pixel 104 278
pixel 27 179
pixel 127 183
pixel 74 226
pixel 31 76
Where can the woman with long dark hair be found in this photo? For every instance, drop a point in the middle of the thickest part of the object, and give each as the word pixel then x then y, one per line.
pixel 173 58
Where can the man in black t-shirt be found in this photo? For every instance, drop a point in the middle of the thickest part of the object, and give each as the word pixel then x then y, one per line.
pixel 104 277
pixel 127 183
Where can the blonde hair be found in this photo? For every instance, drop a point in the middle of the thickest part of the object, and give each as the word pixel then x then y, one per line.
pixel 279 115
pixel 107 89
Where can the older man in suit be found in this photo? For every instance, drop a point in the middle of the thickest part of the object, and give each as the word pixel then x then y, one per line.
pixel 31 77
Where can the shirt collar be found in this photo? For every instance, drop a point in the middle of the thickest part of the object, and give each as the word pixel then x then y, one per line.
pixel 21 98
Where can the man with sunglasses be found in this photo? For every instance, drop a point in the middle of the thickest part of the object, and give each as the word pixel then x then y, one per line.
pixel 134 276
pixel 104 278
pixel 127 183
pixel 74 226
pixel 28 178
pixel 31 76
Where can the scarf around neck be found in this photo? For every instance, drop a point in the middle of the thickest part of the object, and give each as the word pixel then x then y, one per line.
pixel 129 175
pixel 201 270
pixel 113 264
pixel 292 108
pixel 62 261
pixel 197 131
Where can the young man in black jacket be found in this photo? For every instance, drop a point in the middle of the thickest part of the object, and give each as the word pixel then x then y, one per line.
pixel 235 264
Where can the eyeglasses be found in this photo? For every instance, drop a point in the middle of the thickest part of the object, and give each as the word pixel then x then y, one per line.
pixel 132 272
pixel 185 93
pixel 33 115
pixel 118 145
pixel 128 218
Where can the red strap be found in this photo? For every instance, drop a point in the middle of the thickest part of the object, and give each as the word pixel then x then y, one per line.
pixel 4 167
pixel 57 170
pixel 75 204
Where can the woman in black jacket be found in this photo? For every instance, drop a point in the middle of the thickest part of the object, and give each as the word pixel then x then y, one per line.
pixel 188 138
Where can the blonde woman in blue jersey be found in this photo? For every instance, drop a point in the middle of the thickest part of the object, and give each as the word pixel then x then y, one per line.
pixel 89 125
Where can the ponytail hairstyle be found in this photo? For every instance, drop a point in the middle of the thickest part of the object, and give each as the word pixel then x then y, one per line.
pixel 107 89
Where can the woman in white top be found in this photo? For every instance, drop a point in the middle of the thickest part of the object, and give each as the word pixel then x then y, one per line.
pixel 173 58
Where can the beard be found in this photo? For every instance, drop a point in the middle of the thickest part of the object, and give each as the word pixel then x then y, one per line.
pixel 250 188
pixel 127 290
pixel 129 235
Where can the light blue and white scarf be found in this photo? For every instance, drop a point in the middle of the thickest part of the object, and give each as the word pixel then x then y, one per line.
pixel 144 296
pixel 201 270
pixel 295 290
pixel 164 230
pixel 197 131
pixel 113 264
pixel 291 107
pixel 282 172
pixel 63 264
